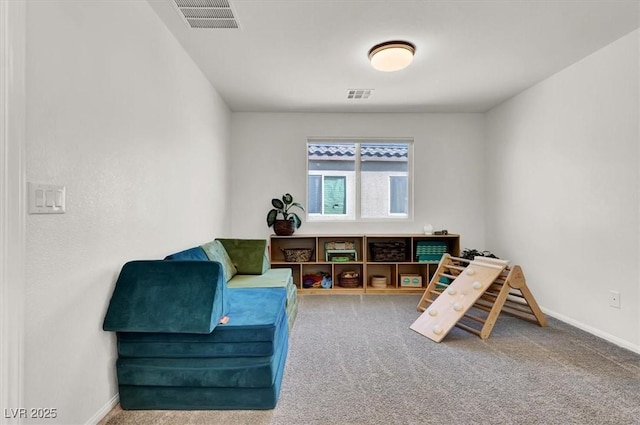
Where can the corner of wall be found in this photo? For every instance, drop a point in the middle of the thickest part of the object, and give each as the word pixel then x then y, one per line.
pixel 12 210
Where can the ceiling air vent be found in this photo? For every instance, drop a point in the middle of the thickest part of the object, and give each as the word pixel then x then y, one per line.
pixel 216 14
pixel 356 94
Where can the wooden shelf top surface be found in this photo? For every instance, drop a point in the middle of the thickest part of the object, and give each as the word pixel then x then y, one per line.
pixel 368 235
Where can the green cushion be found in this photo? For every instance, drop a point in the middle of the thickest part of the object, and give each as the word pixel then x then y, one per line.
pixel 249 255
pixel 167 296
pixel 216 252
pixel 272 278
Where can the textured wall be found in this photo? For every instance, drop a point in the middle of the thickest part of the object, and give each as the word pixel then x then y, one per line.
pixel 448 162
pixel 562 196
pixel 119 114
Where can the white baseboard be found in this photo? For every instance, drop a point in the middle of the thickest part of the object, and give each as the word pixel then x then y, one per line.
pixel 100 414
pixel 597 332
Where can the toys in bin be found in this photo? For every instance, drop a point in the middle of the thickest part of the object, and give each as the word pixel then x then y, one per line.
pixel 318 280
pixel 471 254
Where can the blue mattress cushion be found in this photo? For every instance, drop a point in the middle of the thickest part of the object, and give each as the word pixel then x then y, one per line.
pixel 188 398
pixel 228 372
pixel 168 297
pixel 257 317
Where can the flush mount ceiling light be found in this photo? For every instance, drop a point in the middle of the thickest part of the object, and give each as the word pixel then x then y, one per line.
pixel 391 55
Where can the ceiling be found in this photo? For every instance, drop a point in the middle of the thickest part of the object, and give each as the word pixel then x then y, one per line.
pixel 304 55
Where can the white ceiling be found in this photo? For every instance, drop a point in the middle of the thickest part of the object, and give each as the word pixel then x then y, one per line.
pixel 304 55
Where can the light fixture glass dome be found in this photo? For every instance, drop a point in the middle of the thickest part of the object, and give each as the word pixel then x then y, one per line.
pixel 391 55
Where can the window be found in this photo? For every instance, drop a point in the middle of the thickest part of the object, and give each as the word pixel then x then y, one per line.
pixel 314 201
pixel 398 195
pixel 334 195
pixel 363 179
pixel 327 194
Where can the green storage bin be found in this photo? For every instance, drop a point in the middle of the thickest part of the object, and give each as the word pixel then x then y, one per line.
pixel 430 251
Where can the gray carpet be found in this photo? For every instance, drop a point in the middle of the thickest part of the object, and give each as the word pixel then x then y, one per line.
pixel 354 360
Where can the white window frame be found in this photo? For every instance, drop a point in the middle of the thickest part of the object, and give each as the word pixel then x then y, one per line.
pixel 356 216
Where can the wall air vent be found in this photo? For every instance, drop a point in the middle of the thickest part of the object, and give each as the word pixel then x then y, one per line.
pixel 357 94
pixel 210 14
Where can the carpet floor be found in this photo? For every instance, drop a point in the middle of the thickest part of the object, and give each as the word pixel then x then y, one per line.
pixel 354 361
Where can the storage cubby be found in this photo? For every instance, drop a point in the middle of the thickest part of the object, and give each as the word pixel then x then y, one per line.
pixel 391 256
pixel 278 250
pixel 411 272
pixel 318 270
pixel 388 249
pixel 379 269
pixel 357 269
pixel 450 242
pixel 338 246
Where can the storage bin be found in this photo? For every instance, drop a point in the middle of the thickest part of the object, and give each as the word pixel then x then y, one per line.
pixel 349 279
pixel 339 245
pixel 410 280
pixel 341 255
pixel 378 281
pixel 430 251
pixel 388 251
pixel 297 255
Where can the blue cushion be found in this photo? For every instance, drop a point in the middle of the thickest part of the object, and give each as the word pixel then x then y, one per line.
pixel 229 372
pixel 196 254
pixel 132 344
pixel 189 398
pixel 256 318
pixel 168 296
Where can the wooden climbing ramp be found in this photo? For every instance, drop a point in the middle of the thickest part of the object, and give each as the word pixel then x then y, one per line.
pixel 471 294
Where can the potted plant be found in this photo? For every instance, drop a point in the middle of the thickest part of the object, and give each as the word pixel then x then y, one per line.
pixel 289 221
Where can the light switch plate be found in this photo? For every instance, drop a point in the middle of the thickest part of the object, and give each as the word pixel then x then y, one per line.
pixel 46 198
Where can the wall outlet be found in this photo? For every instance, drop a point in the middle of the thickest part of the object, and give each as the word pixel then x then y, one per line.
pixel 614 299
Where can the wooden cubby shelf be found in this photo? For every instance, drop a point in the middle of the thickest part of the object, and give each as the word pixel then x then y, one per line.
pixel 384 263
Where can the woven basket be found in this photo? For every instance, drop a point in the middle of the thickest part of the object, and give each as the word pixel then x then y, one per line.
pixel 353 281
pixel 297 255
pixel 388 251
pixel 349 282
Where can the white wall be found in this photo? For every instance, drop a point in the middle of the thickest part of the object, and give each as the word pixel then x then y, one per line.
pixel 119 114
pixel 562 190
pixel 269 158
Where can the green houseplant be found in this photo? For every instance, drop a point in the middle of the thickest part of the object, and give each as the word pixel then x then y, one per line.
pixel 289 221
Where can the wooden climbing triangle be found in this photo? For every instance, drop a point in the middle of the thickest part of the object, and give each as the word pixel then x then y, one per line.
pixel 471 294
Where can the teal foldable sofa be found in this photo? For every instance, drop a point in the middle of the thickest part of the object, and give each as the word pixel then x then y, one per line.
pixel 245 264
pixel 188 341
